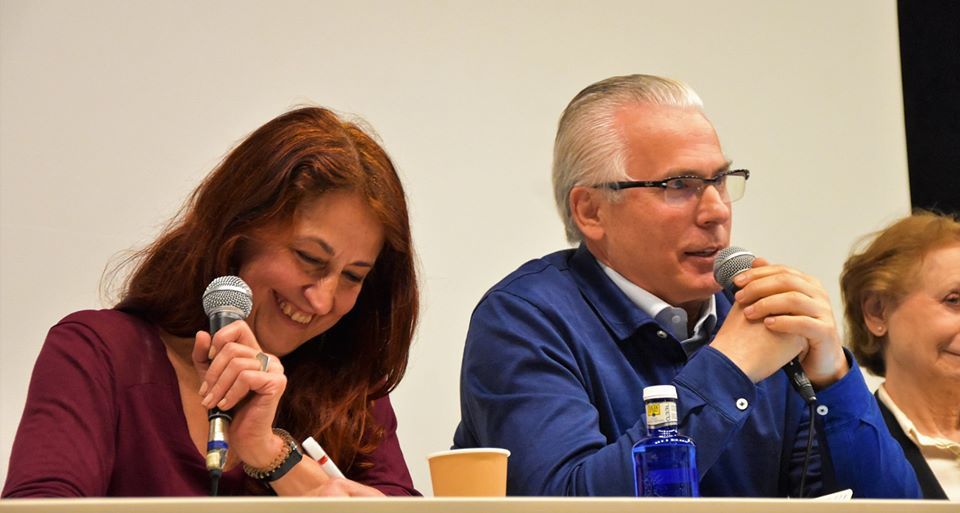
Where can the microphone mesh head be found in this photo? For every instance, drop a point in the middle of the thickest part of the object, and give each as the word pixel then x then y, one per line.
pixel 227 291
pixel 730 262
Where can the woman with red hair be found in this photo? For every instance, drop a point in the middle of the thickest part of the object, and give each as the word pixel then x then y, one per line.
pixel 309 211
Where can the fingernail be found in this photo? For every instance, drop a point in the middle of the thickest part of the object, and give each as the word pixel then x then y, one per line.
pixel 203 388
pixel 769 321
pixel 748 311
pixel 222 403
pixel 738 296
pixel 740 279
pixel 207 400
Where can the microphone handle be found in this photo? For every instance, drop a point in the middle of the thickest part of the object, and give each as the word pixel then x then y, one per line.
pixel 217 440
pixel 217 444
pixel 799 380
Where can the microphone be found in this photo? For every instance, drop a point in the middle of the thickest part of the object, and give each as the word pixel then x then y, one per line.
pixel 227 299
pixel 732 261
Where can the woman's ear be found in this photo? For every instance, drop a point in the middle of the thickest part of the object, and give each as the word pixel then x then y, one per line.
pixel 585 204
pixel 874 314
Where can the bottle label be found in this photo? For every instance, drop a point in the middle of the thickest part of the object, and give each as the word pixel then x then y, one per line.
pixel 660 413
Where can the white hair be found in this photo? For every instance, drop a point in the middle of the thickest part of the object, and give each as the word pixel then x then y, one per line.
pixel 589 148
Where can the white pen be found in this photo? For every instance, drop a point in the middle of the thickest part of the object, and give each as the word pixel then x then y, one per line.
pixel 316 452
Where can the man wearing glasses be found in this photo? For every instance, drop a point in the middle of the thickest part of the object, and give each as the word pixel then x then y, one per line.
pixel 558 353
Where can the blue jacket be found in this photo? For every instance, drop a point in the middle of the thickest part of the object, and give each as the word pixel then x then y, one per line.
pixel 555 363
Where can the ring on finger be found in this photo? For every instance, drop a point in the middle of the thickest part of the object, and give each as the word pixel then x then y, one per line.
pixel 264 360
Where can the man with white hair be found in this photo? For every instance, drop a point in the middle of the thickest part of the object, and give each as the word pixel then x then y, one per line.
pixel 558 353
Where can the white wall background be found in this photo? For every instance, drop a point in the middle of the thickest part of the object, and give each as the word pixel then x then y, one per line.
pixel 112 111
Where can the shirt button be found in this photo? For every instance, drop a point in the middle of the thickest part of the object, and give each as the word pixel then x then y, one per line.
pixel 661 334
pixel 742 404
pixel 676 319
pixel 822 410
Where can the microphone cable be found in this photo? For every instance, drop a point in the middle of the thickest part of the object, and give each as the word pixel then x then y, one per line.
pixel 806 457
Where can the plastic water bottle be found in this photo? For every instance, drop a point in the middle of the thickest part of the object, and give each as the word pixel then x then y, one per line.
pixel 665 462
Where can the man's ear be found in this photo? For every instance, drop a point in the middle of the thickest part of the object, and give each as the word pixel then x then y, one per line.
pixel 874 314
pixel 586 205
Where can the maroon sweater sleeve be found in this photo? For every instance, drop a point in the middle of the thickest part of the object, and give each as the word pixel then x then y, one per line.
pixel 388 472
pixel 65 443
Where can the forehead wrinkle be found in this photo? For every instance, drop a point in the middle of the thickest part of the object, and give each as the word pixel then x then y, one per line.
pixel 935 271
pixel 324 245
pixel 329 250
pixel 654 137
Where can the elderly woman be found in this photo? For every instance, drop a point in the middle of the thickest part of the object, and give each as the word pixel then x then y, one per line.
pixel 902 296
pixel 308 210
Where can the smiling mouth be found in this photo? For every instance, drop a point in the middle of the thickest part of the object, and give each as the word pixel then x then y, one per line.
pixel 295 314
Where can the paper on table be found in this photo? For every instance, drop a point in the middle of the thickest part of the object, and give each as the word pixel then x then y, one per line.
pixel 842 495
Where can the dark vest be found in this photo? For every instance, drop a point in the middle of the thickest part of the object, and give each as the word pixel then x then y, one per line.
pixel 928 482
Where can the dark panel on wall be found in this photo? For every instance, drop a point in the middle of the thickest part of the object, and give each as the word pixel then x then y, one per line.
pixel 930 65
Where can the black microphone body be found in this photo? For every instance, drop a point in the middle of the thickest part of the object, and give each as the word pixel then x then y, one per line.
pixel 729 263
pixel 223 317
pixel 227 299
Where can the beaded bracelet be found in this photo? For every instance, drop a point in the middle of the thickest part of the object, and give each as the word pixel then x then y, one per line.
pixel 289 456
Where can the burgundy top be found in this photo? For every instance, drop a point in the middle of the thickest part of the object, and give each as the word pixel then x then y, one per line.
pixel 104 418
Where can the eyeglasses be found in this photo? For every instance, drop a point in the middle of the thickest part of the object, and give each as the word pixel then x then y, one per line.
pixel 679 190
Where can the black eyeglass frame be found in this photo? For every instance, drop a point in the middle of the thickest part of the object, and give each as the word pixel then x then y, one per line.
pixel 619 186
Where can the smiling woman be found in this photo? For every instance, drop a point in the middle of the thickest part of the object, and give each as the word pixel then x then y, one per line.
pixel 902 296
pixel 305 278
pixel 310 212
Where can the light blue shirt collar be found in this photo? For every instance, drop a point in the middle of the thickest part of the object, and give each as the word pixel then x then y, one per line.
pixel 669 317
